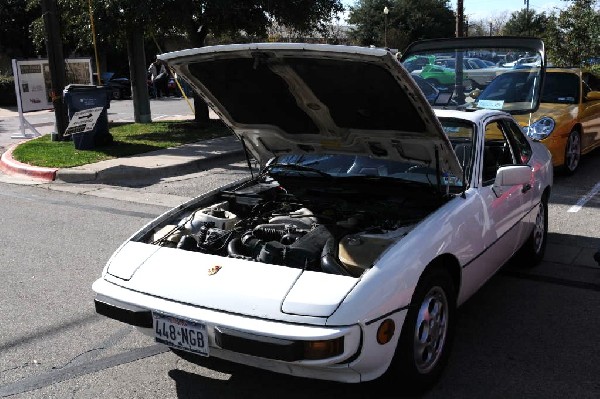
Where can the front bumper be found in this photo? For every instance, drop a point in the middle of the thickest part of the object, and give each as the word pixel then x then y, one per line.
pixel 267 344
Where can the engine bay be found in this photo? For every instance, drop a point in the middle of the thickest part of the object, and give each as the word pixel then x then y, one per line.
pixel 318 227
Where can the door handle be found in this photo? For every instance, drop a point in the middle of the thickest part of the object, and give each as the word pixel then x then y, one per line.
pixel 526 187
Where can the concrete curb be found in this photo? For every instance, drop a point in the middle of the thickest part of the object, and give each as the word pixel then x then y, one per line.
pixel 11 166
pixel 185 159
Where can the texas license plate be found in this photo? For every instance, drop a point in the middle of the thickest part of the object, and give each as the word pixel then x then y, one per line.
pixel 180 333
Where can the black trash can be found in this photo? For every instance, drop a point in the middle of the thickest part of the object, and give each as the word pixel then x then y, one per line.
pixel 81 97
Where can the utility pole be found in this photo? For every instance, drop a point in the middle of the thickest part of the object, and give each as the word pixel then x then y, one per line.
pixel 527 28
pixel 56 63
pixel 460 19
pixel 458 70
pixel 385 14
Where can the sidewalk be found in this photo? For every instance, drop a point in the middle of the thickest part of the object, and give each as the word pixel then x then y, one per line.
pixel 180 160
pixel 184 159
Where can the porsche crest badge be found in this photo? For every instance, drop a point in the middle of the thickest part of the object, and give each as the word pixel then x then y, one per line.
pixel 213 270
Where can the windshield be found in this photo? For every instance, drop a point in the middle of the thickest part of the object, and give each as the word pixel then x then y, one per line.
pixel 355 166
pixel 341 166
pixel 467 66
pixel 510 91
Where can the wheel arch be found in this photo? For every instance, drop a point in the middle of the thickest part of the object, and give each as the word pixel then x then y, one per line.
pixel 450 264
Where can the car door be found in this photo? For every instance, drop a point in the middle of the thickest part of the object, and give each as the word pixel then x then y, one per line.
pixel 589 116
pixel 502 211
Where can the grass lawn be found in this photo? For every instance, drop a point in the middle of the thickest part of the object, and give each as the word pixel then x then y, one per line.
pixel 129 139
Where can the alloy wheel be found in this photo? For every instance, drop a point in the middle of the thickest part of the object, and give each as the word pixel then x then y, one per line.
pixel 431 329
pixel 573 152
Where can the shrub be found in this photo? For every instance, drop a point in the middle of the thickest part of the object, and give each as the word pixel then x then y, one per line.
pixel 7 91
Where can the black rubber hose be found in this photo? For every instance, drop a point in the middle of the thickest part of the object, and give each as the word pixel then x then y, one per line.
pixel 329 262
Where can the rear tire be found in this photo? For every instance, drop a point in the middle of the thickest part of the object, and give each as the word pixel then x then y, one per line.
pixel 426 336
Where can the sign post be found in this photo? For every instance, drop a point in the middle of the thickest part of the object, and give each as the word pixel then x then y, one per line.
pixel 22 121
pixel 33 87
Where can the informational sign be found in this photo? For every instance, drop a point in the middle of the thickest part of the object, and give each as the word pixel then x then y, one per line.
pixel 32 80
pixel 83 121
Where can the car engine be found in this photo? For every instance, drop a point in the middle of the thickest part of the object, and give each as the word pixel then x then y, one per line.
pixel 334 230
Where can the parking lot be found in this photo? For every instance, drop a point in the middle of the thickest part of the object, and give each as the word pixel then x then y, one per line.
pixel 527 333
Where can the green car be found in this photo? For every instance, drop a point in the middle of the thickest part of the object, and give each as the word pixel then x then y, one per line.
pixel 418 62
pixel 438 75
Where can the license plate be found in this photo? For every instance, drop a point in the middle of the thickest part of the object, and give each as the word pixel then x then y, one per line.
pixel 179 333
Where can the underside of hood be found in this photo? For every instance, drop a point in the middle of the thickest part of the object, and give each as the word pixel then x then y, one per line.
pixel 300 99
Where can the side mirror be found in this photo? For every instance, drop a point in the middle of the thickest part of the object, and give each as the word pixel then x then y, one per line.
pixel 512 175
pixel 593 96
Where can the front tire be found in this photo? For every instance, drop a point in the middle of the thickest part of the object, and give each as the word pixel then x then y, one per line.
pixel 426 337
pixel 572 152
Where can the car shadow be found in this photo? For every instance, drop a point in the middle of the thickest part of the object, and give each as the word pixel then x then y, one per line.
pixel 139 177
pixel 251 383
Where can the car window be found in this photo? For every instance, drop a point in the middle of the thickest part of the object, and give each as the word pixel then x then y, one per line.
pixel 519 144
pixel 477 62
pixel 561 88
pixel 497 151
pixel 460 134
pixel 592 81
pixel 470 64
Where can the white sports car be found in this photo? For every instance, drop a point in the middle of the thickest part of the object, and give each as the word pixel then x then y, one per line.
pixel 372 218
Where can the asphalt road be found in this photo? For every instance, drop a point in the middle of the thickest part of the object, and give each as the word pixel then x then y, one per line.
pixel 526 333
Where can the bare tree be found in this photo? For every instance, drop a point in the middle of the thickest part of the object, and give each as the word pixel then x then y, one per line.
pixel 497 22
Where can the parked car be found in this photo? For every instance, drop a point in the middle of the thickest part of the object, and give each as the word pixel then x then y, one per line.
pixel 372 218
pixel 523 62
pixel 476 74
pixel 568 120
pixel 416 64
pixel 119 86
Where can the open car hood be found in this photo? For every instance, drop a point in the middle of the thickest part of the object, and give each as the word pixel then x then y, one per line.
pixel 464 81
pixel 289 98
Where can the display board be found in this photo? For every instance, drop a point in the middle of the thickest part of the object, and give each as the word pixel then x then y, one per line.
pixel 32 80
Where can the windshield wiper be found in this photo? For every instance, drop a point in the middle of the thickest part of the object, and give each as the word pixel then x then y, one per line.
pixel 297 168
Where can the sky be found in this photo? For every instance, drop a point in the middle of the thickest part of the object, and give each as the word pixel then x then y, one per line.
pixel 485 9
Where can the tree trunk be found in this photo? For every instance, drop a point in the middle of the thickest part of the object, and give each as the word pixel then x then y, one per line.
pixel 200 111
pixel 56 64
pixel 138 75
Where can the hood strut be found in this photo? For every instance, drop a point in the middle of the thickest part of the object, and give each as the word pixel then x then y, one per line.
pixel 438 173
pixel 247 154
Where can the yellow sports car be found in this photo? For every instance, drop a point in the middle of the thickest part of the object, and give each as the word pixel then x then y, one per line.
pixel 568 119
